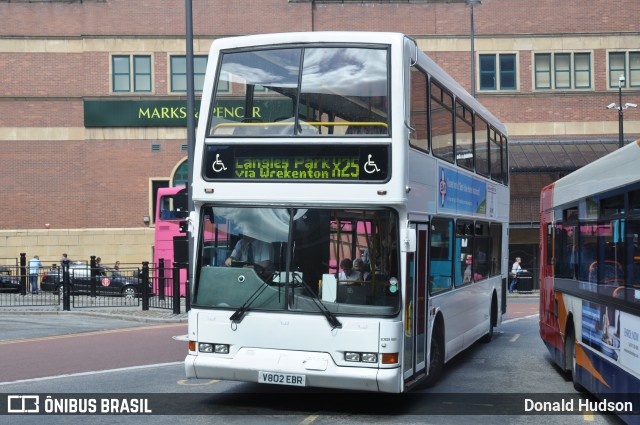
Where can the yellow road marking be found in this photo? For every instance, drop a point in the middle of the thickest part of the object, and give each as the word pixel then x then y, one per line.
pixel 514 338
pixel 105 332
pixel 309 419
pixel 588 416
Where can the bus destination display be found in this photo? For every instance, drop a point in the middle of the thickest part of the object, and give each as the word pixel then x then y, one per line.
pixel 297 168
pixel 298 163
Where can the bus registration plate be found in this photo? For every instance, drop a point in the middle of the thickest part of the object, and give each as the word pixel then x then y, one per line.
pixel 281 379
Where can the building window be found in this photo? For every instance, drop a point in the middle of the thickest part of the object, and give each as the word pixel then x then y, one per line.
pixel 582 70
pixel 181 176
pixel 179 73
pixel 142 73
pixel 618 66
pixel 488 72
pixel 562 71
pixel 634 69
pixel 124 80
pixel 498 72
pixel 543 71
pixel 121 74
pixel 507 72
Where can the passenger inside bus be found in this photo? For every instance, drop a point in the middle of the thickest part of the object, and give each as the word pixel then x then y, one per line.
pixel 363 268
pixel 348 273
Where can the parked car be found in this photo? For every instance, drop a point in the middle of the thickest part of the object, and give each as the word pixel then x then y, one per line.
pixel 8 283
pixel 125 283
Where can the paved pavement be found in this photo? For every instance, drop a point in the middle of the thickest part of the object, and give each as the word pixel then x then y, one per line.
pixel 125 313
pixel 151 315
pixel 529 294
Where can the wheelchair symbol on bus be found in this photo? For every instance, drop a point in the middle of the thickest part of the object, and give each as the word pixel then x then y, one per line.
pixel 370 166
pixel 218 165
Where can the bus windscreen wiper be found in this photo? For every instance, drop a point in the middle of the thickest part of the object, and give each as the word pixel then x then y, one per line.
pixel 331 318
pixel 238 315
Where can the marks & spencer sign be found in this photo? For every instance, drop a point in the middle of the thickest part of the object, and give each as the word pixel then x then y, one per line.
pixel 137 113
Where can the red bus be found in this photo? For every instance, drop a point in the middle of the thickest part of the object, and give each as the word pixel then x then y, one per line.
pixel 590 276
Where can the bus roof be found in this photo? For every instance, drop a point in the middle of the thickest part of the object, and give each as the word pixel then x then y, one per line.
pixel 366 37
pixel 307 37
pixel 617 169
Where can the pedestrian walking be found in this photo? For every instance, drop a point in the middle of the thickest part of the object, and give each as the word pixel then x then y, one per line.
pixel 34 267
pixel 516 269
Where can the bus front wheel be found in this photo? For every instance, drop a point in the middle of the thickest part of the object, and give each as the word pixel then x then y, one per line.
pixel 570 362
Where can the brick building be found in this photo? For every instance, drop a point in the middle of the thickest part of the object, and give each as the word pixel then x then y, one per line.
pixel 93 94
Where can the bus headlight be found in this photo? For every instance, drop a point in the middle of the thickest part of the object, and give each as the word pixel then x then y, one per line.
pixel 361 357
pixel 370 357
pixel 352 357
pixel 205 347
pixel 221 348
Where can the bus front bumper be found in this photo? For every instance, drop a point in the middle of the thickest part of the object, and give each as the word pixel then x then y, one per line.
pixel 318 369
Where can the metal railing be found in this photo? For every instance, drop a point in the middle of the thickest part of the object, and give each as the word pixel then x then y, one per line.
pixel 86 284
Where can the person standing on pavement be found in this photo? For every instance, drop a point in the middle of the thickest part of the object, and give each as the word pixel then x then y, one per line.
pixel 65 260
pixel 34 267
pixel 516 269
pixel 116 268
pixel 99 267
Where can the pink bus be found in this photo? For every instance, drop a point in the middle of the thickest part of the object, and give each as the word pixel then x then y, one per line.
pixel 169 243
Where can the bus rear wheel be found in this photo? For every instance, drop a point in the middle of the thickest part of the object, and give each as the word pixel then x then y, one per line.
pixel 492 321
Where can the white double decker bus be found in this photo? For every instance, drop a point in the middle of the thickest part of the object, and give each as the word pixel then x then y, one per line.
pixel 351 211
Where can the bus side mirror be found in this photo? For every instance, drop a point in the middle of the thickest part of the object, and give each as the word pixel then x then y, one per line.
pixel 181 213
pixel 408 239
pixel 184 226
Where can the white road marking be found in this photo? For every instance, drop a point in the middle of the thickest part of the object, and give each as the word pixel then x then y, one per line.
pixel 520 318
pixel 96 372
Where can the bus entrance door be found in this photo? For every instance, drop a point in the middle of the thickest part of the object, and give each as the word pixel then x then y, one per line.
pixel 415 307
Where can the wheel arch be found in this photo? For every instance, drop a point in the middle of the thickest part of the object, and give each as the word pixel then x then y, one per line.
pixel 494 308
pixel 569 330
pixel 438 329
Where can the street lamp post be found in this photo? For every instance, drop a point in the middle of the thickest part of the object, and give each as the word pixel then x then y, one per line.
pixel 471 3
pixel 620 118
pixel 620 108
